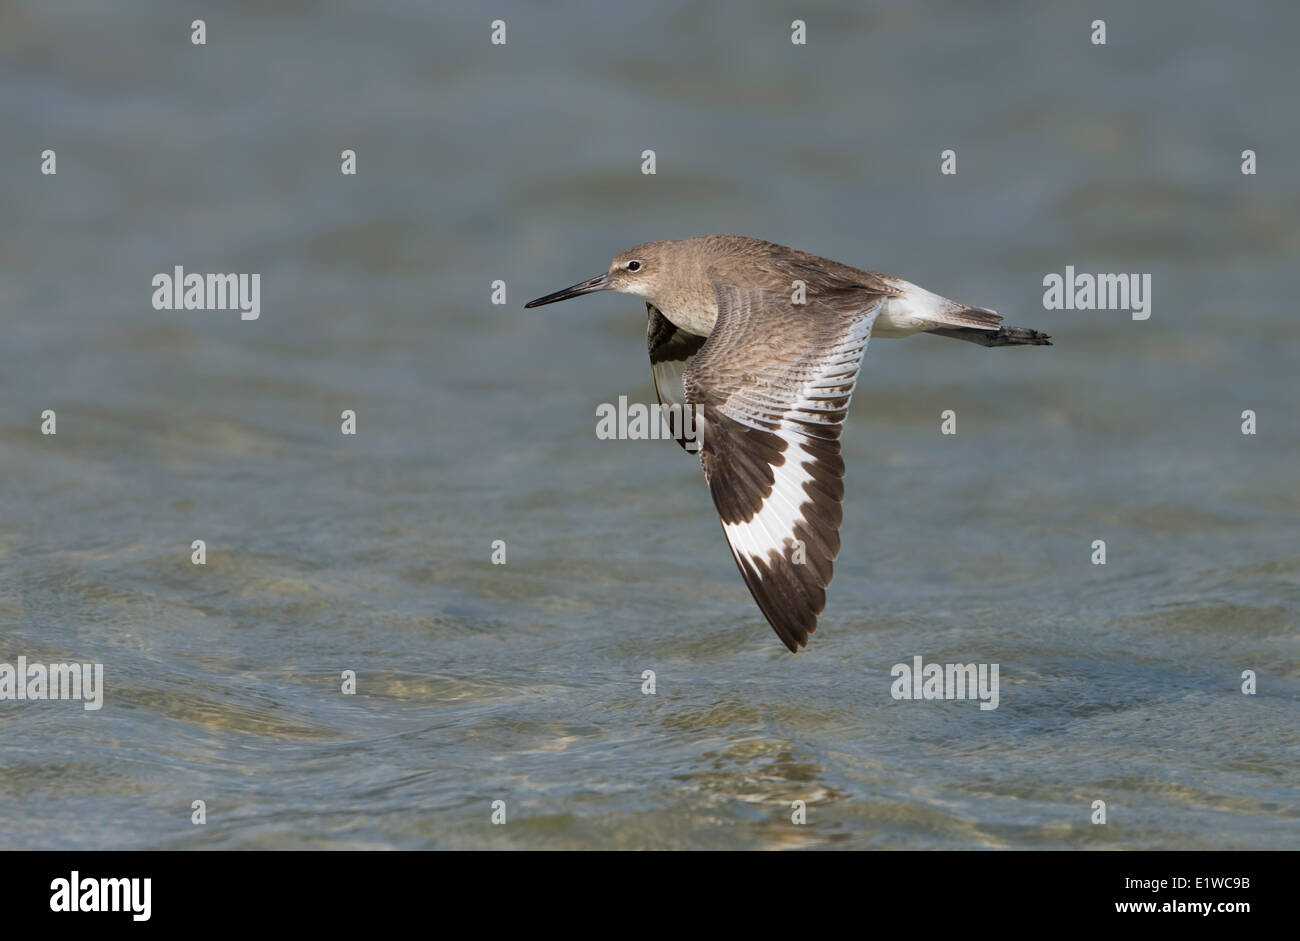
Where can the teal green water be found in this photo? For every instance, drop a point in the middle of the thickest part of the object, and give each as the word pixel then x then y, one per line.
pixel 522 682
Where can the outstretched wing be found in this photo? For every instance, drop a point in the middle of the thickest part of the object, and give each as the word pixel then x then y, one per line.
pixel 671 352
pixel 772 386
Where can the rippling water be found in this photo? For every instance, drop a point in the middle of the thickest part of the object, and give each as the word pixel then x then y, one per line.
pixel 476 422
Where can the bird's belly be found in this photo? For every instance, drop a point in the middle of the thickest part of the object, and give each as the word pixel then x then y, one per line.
pixel 912 312
pixel 891 327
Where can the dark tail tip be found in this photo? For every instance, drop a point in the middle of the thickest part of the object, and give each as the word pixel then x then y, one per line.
pixel 1020 336
pixel 1003 336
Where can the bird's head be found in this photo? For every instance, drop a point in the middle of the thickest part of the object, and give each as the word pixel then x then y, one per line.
pixel 643 271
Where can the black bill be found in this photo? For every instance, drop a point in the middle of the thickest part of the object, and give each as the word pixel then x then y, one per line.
pixel 590 286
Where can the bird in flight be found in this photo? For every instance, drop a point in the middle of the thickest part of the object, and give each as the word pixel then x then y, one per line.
pixel 763 343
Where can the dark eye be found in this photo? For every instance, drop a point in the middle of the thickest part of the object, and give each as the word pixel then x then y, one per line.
pixel 634 266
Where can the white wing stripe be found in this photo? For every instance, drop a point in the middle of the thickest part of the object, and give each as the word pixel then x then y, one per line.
pixel 776 519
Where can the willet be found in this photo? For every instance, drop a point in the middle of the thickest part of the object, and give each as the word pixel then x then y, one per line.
pixel 764 343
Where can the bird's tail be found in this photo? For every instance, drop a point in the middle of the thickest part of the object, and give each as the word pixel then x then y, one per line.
pixel 1001 336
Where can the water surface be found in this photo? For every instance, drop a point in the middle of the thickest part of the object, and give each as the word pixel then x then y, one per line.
pixel 479 682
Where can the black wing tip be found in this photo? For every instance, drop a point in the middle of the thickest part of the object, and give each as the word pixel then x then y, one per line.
pixel 789 607
pixel 795 629
pixel 792 643
pixel 793 619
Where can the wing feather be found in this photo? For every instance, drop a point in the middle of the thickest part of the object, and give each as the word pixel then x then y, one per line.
pixel 671 352
pixel 772 386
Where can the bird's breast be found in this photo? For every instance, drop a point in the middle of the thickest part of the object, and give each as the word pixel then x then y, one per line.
pixel 692 316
